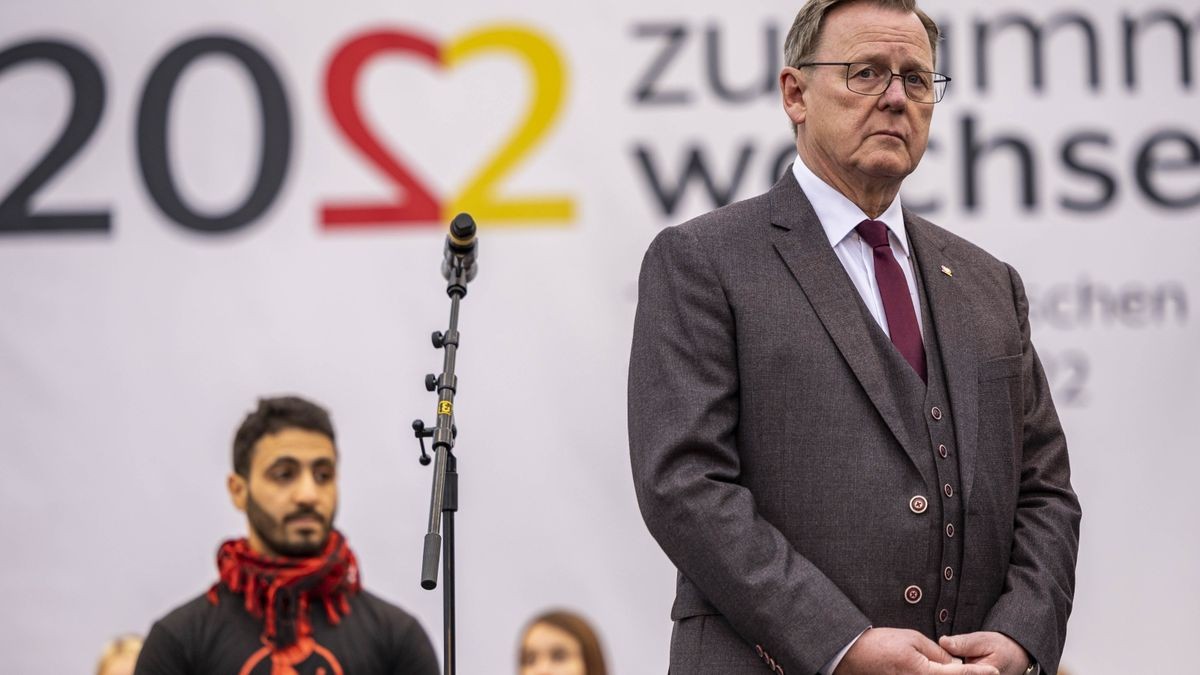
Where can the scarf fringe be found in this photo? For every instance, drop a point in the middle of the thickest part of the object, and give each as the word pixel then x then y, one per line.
pixel 281 591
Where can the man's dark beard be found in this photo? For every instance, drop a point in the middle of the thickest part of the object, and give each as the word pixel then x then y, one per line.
pixel 271 532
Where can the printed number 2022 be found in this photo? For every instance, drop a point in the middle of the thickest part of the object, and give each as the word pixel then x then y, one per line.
pixel 413 204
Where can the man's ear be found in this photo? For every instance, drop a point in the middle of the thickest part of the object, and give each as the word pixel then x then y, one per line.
pixel 239 491
pixel 792 87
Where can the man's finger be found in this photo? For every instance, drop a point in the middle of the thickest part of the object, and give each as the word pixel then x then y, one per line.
pixel 962 669
pixel 968 645
pixel 930 650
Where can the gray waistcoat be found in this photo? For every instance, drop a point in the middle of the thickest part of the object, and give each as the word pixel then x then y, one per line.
pixel 927 419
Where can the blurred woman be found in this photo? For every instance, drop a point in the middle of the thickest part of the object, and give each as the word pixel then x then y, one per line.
pixel 119 656
pixel 560 643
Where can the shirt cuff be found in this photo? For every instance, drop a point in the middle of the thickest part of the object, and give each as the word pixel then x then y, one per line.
pixel 837 658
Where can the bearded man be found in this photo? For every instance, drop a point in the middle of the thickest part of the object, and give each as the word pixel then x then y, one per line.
pixel 289 599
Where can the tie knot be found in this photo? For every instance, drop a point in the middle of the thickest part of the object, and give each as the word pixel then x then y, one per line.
pixel 874 232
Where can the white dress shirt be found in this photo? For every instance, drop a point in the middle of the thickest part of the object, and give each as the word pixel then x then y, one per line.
pixel 839 216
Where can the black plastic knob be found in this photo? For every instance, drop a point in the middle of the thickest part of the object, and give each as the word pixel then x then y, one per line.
pixel 430 382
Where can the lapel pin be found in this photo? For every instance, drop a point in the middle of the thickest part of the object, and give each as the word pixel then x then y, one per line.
pixel 947 271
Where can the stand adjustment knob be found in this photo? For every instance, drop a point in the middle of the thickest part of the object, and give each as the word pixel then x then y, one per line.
pixel 430 382
pixel 438 339
pixel 422 433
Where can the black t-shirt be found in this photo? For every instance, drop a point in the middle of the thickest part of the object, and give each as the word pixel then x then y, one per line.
pixel 375 638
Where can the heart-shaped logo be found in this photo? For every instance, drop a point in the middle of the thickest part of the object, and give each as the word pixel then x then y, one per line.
pixel 416 202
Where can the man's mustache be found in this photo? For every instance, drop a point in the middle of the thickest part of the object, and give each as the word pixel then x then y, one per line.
pixel 304 513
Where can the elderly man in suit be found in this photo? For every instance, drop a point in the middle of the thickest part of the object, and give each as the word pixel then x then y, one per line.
pixel 840 432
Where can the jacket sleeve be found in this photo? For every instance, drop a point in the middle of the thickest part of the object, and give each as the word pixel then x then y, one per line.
pixel 1040 584
pixel 683 418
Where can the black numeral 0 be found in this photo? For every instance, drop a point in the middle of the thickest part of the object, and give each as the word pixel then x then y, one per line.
pixel 87 88
pixel 152 134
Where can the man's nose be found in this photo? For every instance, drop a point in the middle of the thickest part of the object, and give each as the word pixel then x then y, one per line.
pixel 306 490
pixel 894 95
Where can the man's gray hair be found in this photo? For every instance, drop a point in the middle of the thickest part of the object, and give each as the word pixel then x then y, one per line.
pixel 802 39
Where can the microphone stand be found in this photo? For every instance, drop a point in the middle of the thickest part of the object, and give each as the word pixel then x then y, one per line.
pixel 444 499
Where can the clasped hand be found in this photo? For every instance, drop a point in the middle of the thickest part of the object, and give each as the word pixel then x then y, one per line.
pixel 894 651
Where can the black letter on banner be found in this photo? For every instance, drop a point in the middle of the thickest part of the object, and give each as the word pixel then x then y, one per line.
pixel 87 87
pixel 697 165
pixel 676 34
pixel 1133 26
pixel 974 150
pixel 1037 50
pixel 1147 164
pixel 1067 374
pixel 1070 159
pixel 153 155
pixel 765 86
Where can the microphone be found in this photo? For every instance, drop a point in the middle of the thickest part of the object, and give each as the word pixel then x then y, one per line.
pixel 461 247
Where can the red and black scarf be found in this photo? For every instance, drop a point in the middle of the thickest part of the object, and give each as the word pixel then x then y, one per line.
pixel 281 590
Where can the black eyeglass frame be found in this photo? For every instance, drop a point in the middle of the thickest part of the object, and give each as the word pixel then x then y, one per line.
pixel 936 79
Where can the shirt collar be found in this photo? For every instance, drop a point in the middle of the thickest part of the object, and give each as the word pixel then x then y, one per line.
pixel 838 215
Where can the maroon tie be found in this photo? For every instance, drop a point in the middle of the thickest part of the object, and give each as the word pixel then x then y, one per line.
pixel 897 305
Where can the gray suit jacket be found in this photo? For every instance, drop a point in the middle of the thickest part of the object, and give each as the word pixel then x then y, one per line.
pixel 773 468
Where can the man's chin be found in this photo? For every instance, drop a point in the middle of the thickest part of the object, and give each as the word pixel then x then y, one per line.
pixel 302 545
pixel 299 550
pixel 887 167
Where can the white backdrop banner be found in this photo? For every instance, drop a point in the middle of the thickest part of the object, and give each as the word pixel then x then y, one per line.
pixel 201 203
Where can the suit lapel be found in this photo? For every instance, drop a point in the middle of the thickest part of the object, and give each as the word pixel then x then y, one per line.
pixel 954 325
pixel 800 240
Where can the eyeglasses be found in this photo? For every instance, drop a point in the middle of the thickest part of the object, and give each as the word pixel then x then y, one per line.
pixel 868 79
